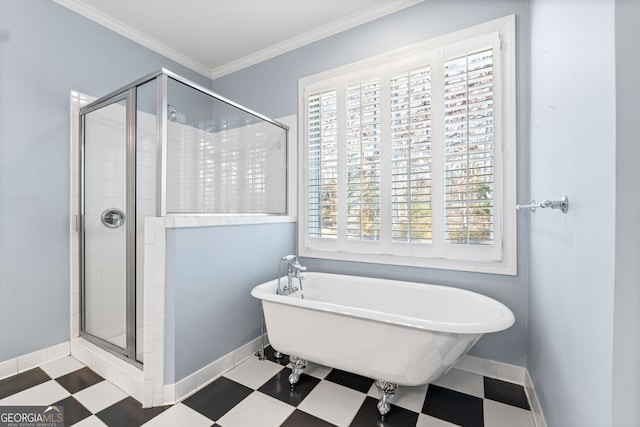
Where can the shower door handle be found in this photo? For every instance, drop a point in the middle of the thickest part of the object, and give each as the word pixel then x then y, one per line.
pixel 113 218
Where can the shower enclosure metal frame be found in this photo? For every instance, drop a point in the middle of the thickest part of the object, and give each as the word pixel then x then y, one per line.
pixel 128 93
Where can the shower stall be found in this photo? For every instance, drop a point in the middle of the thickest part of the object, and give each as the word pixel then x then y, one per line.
pixel 161 146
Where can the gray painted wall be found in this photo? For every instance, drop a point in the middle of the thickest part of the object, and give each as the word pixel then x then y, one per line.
pixel 45 52
pixel 271 87
pixel 573 257
pixel 210 274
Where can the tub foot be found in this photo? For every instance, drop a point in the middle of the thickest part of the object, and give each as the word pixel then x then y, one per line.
pixel 298 366
pixel 386 391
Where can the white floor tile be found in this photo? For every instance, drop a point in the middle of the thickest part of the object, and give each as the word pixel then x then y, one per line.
pixel 100 396
pixel 43 394
pixel 463 381
pixel 62 367
pixel 179 415
pixel 257 410
pixel 498 414
pixel 91 421
pixel 333 403
pixel 429 421
pixel 315 370
pixel 253 372
pixel 411 398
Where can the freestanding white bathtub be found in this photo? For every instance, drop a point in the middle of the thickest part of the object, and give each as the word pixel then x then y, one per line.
pixel 399 333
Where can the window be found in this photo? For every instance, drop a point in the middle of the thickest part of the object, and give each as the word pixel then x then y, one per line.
pixel 409 158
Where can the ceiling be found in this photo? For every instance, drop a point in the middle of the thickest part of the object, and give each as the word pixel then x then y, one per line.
pixel 218 37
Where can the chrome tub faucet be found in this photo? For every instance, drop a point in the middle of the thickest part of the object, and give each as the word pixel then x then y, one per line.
pixel 294 271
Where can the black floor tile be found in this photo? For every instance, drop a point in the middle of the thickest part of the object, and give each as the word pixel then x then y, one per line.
pixel 128 413
pixel 79 380
pixel 269 352
pixel 454 407
pixel 74 412
pixel 216 399
pixel 22 381
pixel 505 392
pixel 368 415
pixel 300 418
pixel 353 381
pixel 279 387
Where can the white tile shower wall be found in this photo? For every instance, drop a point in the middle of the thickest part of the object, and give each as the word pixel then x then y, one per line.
pixel 105 187
pixel 145 207
pixel 237 170
pixel 154 308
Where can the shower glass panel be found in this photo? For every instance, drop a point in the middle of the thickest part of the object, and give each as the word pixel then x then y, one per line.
pixel 222 159
pixel 105 218
pixel 159 146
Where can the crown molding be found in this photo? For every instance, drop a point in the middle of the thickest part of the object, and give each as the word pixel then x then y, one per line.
pixel 320 33
pixel 130 33
pixel 330 29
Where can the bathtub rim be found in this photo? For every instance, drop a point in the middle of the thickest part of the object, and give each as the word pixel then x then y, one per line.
pixel 266 292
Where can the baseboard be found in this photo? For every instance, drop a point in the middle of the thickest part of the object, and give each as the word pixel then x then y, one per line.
pixel 492 369
pixel 184 388
pixel 509 373
pixel 536 409
pixel 113 369
pixel 23 363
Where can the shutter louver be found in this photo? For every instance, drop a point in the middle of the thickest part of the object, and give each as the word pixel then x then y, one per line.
pixel 363 160
pixel 323 165
pixel 411 156
pixel 469 161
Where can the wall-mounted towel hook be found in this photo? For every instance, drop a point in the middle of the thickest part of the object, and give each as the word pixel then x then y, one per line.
pixel 562 204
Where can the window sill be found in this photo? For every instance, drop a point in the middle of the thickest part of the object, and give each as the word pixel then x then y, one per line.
pixel 506 266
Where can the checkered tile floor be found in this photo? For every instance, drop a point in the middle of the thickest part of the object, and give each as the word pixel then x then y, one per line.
pixel 256 393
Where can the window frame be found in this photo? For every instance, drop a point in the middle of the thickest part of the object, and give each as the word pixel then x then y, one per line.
pixel 440 256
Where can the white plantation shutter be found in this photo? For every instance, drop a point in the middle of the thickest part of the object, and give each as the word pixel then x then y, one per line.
pixel 322 149
pixel 411 155
pixel 468 145
pixel 404 159
pixel 363 160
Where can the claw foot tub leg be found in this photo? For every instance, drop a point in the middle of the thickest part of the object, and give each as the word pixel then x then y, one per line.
pixel 386 390
pixel 298 366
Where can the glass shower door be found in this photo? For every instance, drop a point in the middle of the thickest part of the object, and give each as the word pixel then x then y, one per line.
pixel 106 227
